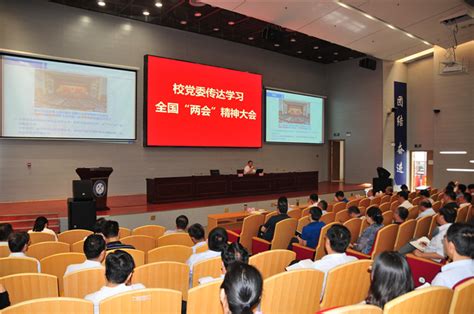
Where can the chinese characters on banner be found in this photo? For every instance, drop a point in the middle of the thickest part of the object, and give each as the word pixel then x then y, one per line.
pixel 400 123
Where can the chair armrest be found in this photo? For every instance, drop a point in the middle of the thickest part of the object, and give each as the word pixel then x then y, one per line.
pixel 357 254
pixel 259 245
pixel 233 236
pixel 303 252
pixel 423 270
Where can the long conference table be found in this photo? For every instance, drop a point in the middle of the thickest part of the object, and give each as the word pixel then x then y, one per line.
pixel 177 189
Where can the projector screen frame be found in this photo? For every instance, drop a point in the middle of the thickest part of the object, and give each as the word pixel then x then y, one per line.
pixel 264 124
pixel 22 54
pixel 145 99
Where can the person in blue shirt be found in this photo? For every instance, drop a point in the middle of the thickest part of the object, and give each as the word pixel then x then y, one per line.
pixel 310 233
pixel 339 197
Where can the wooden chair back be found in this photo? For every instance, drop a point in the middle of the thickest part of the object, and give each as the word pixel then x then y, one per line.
pixel 463 302
pixel 342 216
pixel 320 252
pixel 462 214
pixel 413 212
pixel 154 231
pixel 394 205
pixel 170 253
pixel 394 198
pixel 272 262
pixel 433 225
pixel 330 208
pixel 140 242
pixel 337 207
pixel 354 202
pixel 433 191
pixel 295 213
pixel 301 288
pixel 250 227
pixel 38 237
pixel 362 210
pixel 78 284
pixel 365 202
pixel 17 265
pixel 284 232
pixel 78 246
pixel 384 207
pixel 422 227
pixel 4 251
pixel 376 201
pixel 205 299
pixel 270 215
pixel 347 284
pixel 416 200
pixel 305 212
pixel 167 275
pixel 436 206
pixel 329 217
pixel 143 301
pixel 385 199
pixel 405 233
pixel 302 222
pixel 43 249
pixel 51 305
pixel 28 286
pixel 470 213
pixel 202 248
pixel 384 240
pixel 412 195
pixel 356 309
pixel 56 265
pixel 72 236
pixel 387 217
pixel 433 300
pixel 138 256
pixel 175 239
pixel 124 232
pixel 210 267
pixel 354 227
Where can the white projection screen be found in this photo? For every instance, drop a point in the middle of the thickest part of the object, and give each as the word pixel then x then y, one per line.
pixel 48 99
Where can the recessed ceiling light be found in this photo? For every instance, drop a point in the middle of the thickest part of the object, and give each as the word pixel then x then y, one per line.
pixel 183 22
pixel 319 57
pixel 231 23
pixel 343 5
pixel 460 170
pixel 215 29
pixel 471 161
pixel 336 53
pixel 409 35
pixel 453 152
pixel 197 14
pixel 101 3
pixel 315 47
pixel 369 16
pixel 276 45
pixel 146 13
pixel 299 51
pixel 391 26
pixel 158 4
pixel 293 40
pixel 250 38
pixel 426 43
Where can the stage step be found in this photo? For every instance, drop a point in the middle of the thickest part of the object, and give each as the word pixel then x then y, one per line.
pixel 25 222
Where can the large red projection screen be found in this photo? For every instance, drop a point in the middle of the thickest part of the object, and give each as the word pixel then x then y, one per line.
pixel 189 104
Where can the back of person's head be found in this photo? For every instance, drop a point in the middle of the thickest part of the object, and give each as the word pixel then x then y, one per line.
pixel 425 204
pixel 242 287
pixel 471 186
pixel 282 204
pixel 375 214
pixel 339 238
pixel 449 214
pixel 389 189
pixel 316 213
pixel 93 246
pixel 182 222
pixel 462 236
pixel 5 231
pixel 403 194
pixel 339 194
pixel 404 187
pixel 217 239
pixel 449 188
pixel 17 241
pixel 110 229
pixel 425 193
pixel 323 205
pixel 467 197
pixel 462 188
pixel 99 225
pixel 196 231
pixel 249 161
pixel 40 223
pixel 391 277
pixel 353 210
pixel 234 252
pixel 119 266
pixel 402 213
pixel 450 195
pixel 314 197
pixel 451 184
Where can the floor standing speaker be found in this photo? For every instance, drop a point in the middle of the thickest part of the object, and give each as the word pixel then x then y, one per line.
pixel 379 184
pixel 81 214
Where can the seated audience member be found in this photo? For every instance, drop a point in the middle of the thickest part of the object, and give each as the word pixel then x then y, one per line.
pixel 366 240
pixel 313 200
pixel 181 225
pixel 111 235
pixel 323 205
pixel 450 186
pixel 425 196
pixel 426 209
pixel 197 234
pixel 434 250
pixel 403 200
pixel 249 168
pixel 464 200
pixel 4 298
pixel 119 267
pixel 310 233
pixel 459 245
pixel 460 189
pixel 404 188
pixel 41 225
pixel 389 190
pixel 390 278
pixel 400 215
pixel 449 199
pixel 99 225
pixel 370 194
pixel 18 243
pixel 94 249
pixel 5 231
pixel 339 197
pixel 268 229
pixel 354 212
pixel 470 187
pixel 241 289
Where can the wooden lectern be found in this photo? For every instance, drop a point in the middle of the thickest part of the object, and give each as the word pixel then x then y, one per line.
pixel 99 177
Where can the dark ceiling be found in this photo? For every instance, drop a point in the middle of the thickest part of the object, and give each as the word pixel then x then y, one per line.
pixel 193 16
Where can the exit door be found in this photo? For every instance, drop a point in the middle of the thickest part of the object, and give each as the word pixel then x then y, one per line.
pixel 336 160
pixel 421 166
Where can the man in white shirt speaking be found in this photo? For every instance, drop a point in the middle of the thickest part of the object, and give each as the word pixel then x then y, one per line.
pixel 94 249
pixel 119 267
pixel 249 168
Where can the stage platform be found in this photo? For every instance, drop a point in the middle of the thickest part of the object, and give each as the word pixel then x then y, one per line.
pixel 137 204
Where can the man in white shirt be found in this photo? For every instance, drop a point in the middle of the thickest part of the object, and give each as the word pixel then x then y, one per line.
pixel 425 196
pixel 459 245
pixel 249 168
pixel 18 243
pixel 403 200
pixel 5 231
pixel 181 225
pixel 94 249
pixel 425 209
pixel 337 240
pixel 197 234
pixel 119 267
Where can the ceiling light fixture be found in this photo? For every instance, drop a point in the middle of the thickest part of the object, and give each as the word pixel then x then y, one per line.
pixel 215 29
pixel 231 23
pixel 197 14
pixel 426 43
pixel 101 3
pixel 370 17
pixel 158 4
pixel 391 26
pixel 471 161
pixel 343 5
pixel 315 47
pixel 276 45
pixel 417 56
pixel 293 40
pixel 460 170
pixel 336 53
pixel 146 13
pixel 319 57
pixel 453 152
pixel 250 38
pixel 183 22
pixel 299 51
pixel 409 35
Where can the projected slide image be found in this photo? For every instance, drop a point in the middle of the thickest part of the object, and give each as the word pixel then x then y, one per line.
pixel 60 90
pixel 294 113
